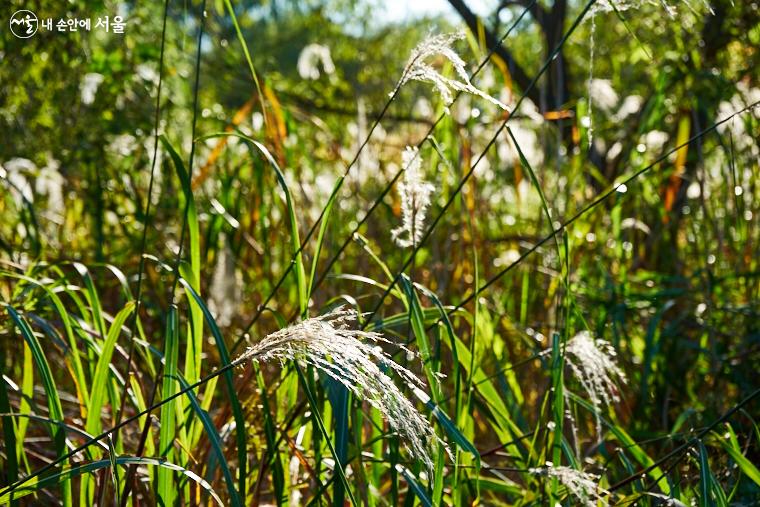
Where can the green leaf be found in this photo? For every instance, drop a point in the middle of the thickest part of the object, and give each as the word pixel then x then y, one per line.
pixel 100 380
pixel 54 402
pixel 215 440
pixel 415 486
pixel 166 488
pixel 745 464
pixel 66 475
pixel 237 409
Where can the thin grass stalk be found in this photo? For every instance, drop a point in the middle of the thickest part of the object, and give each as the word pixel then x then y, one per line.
pixel 146 214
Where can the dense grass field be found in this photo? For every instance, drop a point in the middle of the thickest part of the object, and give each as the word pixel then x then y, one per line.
pixel 319 253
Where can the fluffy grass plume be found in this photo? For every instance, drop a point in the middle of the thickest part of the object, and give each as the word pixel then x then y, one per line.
pixel 352 357
pixel 418 69
pixel 584 487
pixel 593 362
pixel 415 199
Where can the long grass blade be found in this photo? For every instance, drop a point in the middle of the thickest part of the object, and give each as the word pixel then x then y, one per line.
pixel 48 382
pixel 166 486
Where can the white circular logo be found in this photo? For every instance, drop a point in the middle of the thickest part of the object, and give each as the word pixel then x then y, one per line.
pixel 24 24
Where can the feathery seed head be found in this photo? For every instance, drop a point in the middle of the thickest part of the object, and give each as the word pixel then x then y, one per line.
pixel 603 94
pixel 89 87
pixel 593 364
pixel 351 357
pixel 311 57
pixel 415 199
pixel 583 486
pixel 417 69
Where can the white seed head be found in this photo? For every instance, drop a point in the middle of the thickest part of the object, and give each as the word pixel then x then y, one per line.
pixel 352 357
pixel 593 363
pixel 625 5
pixel 89 87
pixel 415 199
pixel 311 57
pixel 603 94
pixel 418 69
pixel 583 486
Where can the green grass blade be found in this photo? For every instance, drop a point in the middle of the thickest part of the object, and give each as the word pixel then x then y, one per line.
pixel 558 405
pixel 54 402
pixel 194 343
pixel 237 409
pixel 415 486
pixel 93 300
pixel 101 379
pixel 68 474
pixel 746 466
pixel 321 426
pixel 321 235
pixel 418 327
pixel 705 478
pixel 339 399
pixel 27 394
pixel 216 443
pixel 278 475
pixel 247 54
pixel 295 239
pixel 194 349
pixel 166 488
pixel 544 204
pixel 10 463
pixel 150 448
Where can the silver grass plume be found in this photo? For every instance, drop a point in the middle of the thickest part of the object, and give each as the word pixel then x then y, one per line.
pixel 417 69
pixel 415 199
pixel 625 5
pixel 351 357
pixel 593 363
pixel 583 486
pixel 310 57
